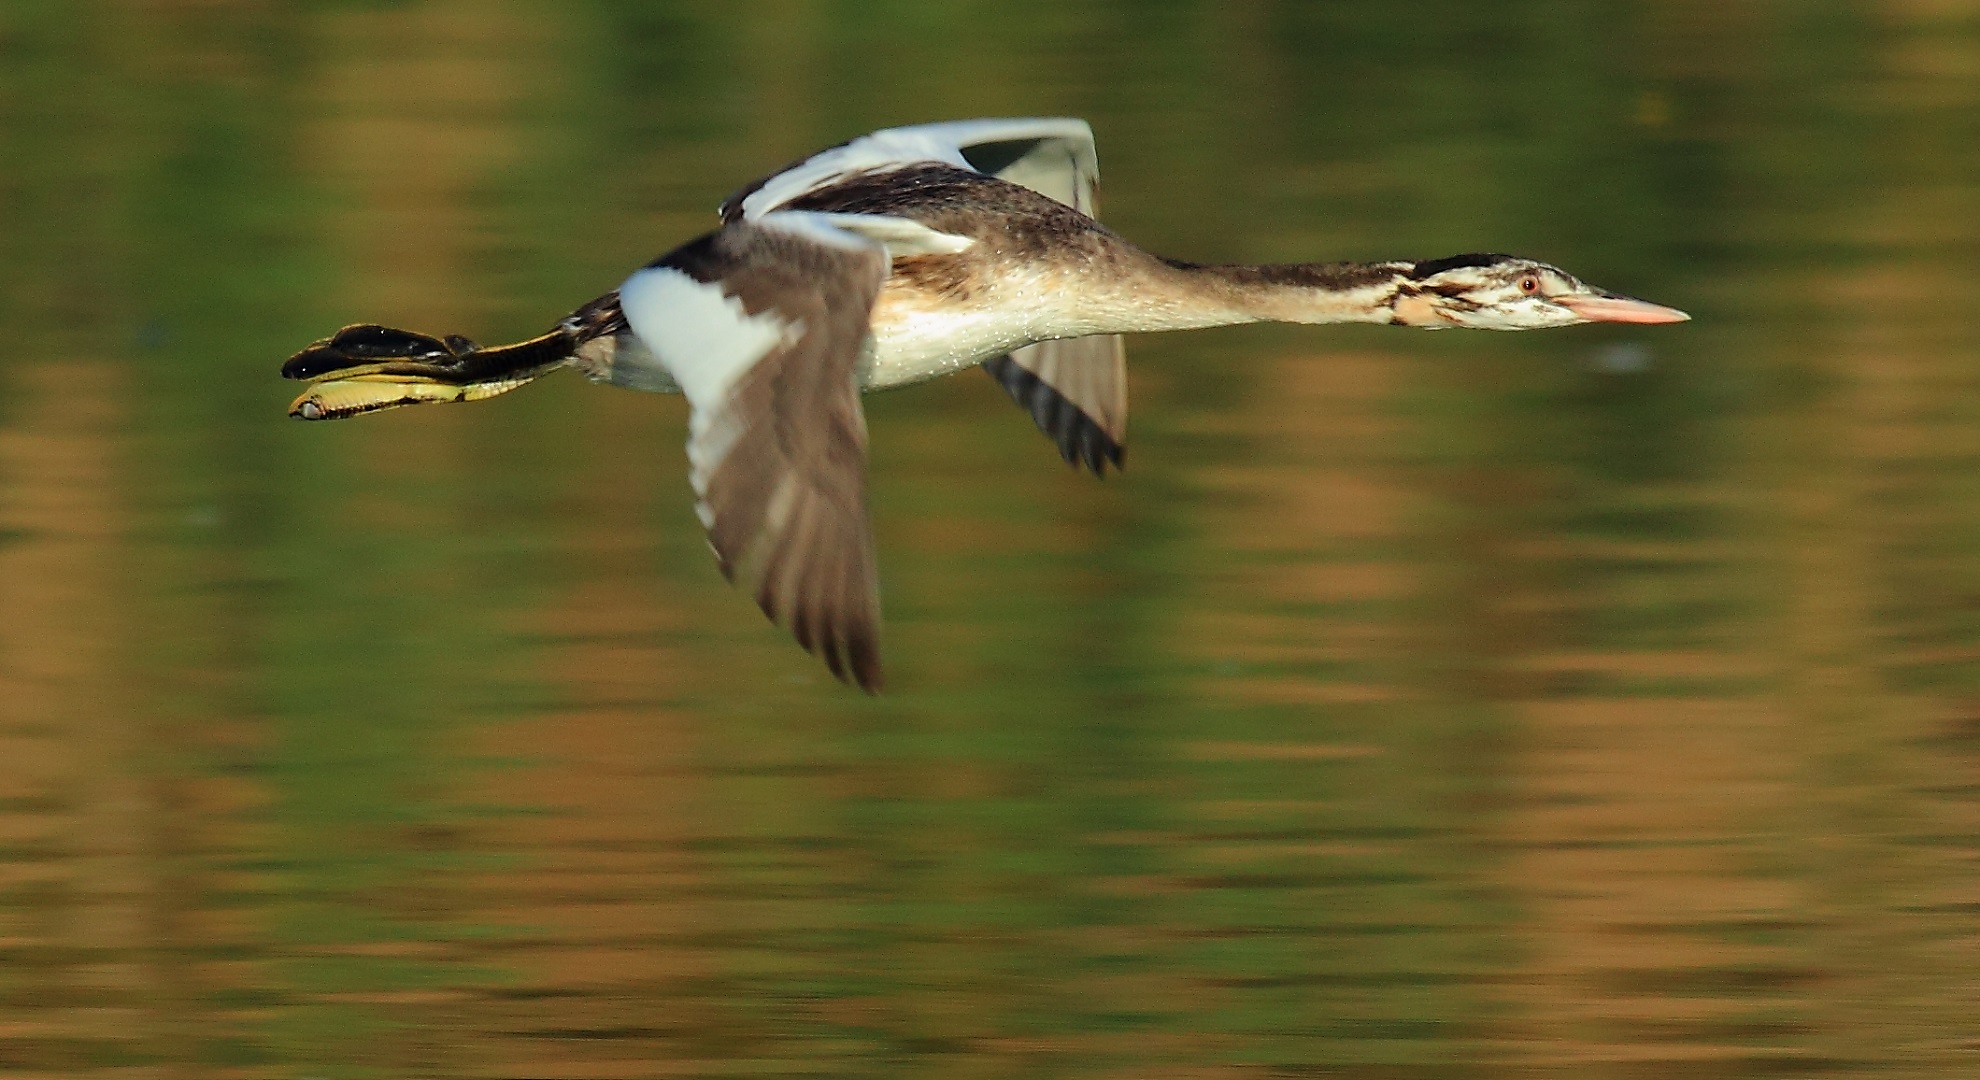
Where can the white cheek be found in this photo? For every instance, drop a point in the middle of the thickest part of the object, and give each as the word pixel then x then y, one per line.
pixel 1518 313
pixel 1553 314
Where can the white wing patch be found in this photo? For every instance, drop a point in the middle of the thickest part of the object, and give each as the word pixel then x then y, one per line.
pixel 701 333
pixel 706 341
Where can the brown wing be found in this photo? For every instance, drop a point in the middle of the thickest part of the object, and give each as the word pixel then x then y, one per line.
pixel 763 324
pixel 1076 392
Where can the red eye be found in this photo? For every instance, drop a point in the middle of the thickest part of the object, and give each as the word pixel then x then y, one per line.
pixel 1529 284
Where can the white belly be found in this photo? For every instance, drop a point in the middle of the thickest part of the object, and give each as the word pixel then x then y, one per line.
pixel 914 337
pixel 932 344
pixel 897 354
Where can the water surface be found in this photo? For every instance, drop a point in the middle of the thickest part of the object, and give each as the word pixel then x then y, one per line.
pixel 1592 703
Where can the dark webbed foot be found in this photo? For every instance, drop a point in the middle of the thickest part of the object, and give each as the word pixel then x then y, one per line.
pixel 366 368
pixel 366 345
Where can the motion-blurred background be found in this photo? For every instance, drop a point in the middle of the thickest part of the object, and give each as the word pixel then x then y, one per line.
pixel 1600 702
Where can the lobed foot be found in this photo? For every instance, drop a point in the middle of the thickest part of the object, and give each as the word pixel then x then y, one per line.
pixel 367 368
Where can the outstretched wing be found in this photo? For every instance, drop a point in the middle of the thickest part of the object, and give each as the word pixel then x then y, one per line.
pixel 1050 155
pixel 1076 389
pixel 762 325
pixel 1076 392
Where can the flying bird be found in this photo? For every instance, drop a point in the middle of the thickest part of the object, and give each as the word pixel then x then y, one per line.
pixel 888 260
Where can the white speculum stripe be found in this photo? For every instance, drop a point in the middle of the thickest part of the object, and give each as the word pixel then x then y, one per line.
pixel 706 341
pixel 700 333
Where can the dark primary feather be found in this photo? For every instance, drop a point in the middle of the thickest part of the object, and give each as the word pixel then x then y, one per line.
pixel 1080 438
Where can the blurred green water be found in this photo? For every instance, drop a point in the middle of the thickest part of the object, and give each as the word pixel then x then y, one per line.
pixel 1583 703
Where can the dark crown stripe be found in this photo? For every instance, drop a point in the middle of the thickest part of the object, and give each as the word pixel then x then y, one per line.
pixel 1432 267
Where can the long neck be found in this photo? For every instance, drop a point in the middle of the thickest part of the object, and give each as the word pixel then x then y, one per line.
pixel 1293 292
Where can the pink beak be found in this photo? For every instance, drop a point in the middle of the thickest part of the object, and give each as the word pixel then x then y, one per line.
pixel 1603 307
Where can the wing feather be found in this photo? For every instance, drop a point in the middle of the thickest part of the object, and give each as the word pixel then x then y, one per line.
pixel 1051 155
pixel 1076 392
pixel 1075 389
pixel 762 324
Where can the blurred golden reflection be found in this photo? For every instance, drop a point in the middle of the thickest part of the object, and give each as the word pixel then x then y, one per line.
pixel 1414 706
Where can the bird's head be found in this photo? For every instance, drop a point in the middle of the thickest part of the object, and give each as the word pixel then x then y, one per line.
pixel 1505 292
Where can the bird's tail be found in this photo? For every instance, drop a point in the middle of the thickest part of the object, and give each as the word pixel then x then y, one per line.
pixel 366 368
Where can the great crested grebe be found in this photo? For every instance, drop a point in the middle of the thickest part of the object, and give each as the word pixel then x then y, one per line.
pixel 888 260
